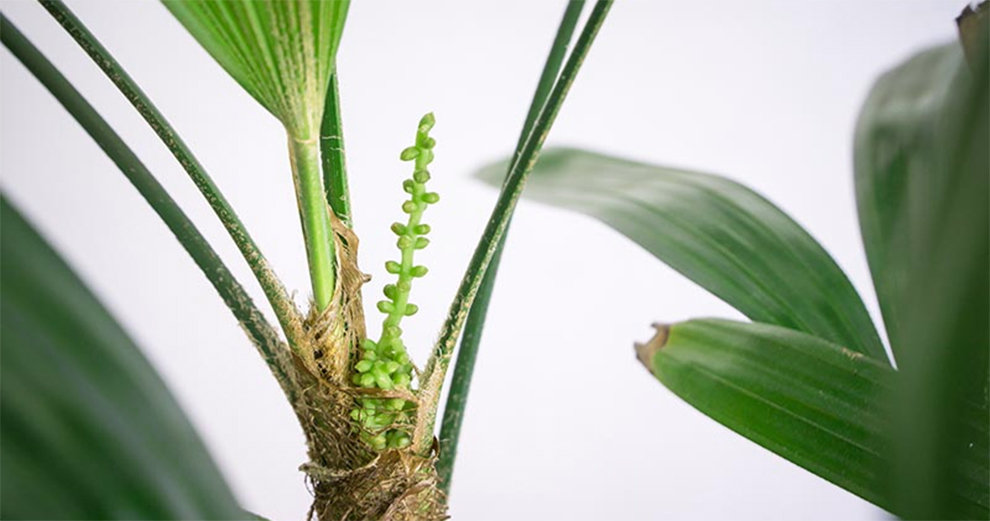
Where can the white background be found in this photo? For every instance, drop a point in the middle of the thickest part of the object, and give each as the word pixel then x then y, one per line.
pixel 563 423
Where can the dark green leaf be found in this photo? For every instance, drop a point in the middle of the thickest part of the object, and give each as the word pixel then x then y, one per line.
pixel 892 157
pixel 923 182
pixel 716 232
pixel 89 430
pixel 810 401
pixel 332 153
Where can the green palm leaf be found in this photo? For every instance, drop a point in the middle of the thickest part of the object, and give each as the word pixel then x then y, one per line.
pixel 810 401
pixel 716 232
pixel 89 430
pixel 815 403
pixel 923 187
pixel 281 52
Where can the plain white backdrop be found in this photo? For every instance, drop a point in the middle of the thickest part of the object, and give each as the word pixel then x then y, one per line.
pixel 563 423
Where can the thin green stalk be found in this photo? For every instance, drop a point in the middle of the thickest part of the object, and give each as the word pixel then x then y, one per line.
pixel 332 150
pixel 315 215
pixel 436 368
pixel 460 383
pixel 278 297
pixel 262 334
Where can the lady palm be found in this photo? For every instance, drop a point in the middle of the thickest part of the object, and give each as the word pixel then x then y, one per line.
pixel 369 414
pixel 368 423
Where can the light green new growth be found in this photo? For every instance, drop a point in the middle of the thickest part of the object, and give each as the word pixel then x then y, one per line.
pixel 385 364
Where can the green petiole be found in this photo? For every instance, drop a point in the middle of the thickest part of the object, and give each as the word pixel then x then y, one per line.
pixel 315 216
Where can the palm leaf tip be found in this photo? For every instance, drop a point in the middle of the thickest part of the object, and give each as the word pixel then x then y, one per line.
pixel 281 52
pixel 646 352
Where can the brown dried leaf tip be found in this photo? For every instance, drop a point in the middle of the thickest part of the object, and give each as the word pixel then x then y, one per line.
pixel 646 351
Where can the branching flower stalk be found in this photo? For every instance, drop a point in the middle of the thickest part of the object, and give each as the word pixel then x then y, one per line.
pixel 385 364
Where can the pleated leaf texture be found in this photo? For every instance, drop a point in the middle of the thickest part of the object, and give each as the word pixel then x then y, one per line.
pixel 281 51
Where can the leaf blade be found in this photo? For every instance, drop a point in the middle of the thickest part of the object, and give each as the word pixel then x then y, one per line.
pixel 716 232
pixel 808 400
pixel 282 53
pixel 83 411
pixel 923 184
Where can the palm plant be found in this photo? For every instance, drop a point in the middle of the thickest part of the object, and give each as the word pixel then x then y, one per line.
pixel 809 379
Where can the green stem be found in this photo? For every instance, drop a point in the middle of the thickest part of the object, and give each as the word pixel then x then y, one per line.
pixel 332 150
pixel 315 215
pixel 233 294
pixel 278 297
pixel 460 382
pixel 436 367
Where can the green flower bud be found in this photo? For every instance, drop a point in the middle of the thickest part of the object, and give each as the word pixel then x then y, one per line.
pixel 399 229
pixel 401 442
pixel 402 380
pixel 378 442
pixel 392 366
pixel 421 176
pixel 363 366
pixel 431 197
pixel 425 155
pixel 410 206
pixel 421 229
pixel 383 381
pixel 409 153
pixel 428 143
pixel 367 380
pixel 421 242
pixel 390 291
pixel 411 309
pixel 368 343
pixel 396 404
pixel 394 331
pixel 386 306
pixel 356 379
pixel 369 354
pixel 404 242
pixel 393 267
pixel 419 271
pixel 426 123
pixel 404 285
pixel 408 186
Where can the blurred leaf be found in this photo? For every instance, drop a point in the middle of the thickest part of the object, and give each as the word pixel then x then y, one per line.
pixel 281 51
pixel 893 156
pixel 716 232
pixel 89 430
pixel 923 179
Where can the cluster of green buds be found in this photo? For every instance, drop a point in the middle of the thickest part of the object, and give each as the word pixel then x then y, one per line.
pixel 385 364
